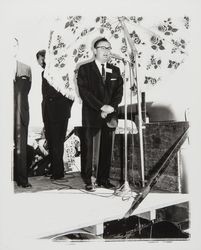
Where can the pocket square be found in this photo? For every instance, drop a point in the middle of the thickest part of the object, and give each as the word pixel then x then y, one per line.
pixel 113 79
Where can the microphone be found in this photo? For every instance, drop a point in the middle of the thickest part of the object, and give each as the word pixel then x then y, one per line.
pixel 117 57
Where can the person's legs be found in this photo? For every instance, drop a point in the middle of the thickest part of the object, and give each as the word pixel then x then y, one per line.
pixel 20 155
pixel 88 142
pixel 105 155
pixel 56 134
pixel 47 131
pixel 96 153
pixel 21 121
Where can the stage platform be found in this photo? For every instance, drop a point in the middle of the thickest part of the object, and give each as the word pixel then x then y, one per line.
pixel 48 213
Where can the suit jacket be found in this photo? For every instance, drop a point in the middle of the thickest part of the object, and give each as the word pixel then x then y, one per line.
pixel 55 106
pixel 95 93
pixel 22 85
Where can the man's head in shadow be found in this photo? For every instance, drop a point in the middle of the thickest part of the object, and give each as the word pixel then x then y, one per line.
pixel 40 56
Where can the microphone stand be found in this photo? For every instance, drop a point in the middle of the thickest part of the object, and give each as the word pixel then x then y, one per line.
pixel 124 190
pixel 134 72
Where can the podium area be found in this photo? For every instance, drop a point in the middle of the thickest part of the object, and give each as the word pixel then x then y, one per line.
pixel 45 214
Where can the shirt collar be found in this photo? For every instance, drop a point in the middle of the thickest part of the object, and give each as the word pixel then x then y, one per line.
pixel 99 64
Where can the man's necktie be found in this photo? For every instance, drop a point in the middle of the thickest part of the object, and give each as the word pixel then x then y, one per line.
pixel 103 72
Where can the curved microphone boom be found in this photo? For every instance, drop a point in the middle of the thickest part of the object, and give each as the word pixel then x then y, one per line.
pixel 116 56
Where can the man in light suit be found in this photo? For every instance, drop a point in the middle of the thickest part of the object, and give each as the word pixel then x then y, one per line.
pixel 101 89
pixel 22 85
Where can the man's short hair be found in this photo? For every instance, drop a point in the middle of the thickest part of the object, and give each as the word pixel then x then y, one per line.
pixel 103 39
pixel 41 53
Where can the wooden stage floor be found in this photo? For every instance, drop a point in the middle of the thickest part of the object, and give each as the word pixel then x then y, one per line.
pixel 50 208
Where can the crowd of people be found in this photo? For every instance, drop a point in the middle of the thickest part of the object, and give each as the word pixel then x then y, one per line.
pixel 100 87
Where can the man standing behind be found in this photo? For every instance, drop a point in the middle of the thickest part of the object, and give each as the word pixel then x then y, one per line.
pixel 22 85
pixel 101 89
pixel 56 110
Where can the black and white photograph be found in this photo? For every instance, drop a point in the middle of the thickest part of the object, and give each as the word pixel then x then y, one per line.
pixel 100 124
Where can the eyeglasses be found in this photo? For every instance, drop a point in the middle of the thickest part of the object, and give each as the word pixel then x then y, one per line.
pixel 104 48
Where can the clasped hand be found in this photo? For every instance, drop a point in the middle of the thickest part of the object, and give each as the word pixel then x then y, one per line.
pixel 106 109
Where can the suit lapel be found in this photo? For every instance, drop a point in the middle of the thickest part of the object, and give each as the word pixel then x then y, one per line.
pixel 96 70
pixel 107 73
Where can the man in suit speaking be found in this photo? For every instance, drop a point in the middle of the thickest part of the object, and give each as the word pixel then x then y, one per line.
pixel 101 89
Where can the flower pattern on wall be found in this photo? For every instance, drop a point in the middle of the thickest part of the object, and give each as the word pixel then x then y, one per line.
pixel 161 46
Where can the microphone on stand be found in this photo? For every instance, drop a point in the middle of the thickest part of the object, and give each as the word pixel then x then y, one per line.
pixel 117 57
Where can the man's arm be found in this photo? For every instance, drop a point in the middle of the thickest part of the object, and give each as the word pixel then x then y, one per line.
pixel 117 96
pixel 85 93
pixel 30 74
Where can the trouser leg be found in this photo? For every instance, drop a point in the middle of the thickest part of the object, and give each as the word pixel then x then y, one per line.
pixel 90 145
pixel 105 154
pixel 20 154
pixel 55 135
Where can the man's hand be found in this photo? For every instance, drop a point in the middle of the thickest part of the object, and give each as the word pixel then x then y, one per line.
pixel 103 114
pixel 107 109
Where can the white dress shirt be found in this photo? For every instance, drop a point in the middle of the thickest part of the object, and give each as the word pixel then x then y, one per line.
pixel 99 64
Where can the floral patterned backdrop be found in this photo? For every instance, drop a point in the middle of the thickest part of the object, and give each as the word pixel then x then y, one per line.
pixel 161 44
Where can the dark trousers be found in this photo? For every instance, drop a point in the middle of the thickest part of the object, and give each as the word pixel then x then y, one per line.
pixel 22 86
pixel 96 145
pixel 20 153
pixel 55 133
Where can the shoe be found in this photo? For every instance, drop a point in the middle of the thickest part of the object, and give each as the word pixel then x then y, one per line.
pixel 27 185
pixel 106 184
pixel 90 188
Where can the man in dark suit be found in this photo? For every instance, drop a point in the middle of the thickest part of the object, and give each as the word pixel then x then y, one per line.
pixel 56 111
pixel 22 85
pixel 101 88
